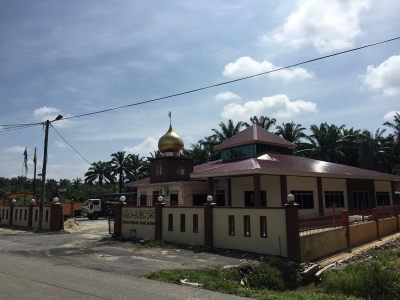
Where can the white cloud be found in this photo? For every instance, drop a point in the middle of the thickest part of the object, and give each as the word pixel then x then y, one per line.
pixel 278 106
pixel 328 25
pixel 385 77
pixel 144 148
pixel 227 96
pixel 390 115
pixel 50 113
pixel 59 144
pixel 246 66
pixel 14 149
pixel 46 113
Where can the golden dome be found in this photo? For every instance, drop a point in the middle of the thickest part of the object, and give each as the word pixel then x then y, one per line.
pixel 170 142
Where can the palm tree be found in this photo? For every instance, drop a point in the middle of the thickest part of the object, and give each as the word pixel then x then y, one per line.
pixel 291 132
pixel 199 152
pixel 135 165
pixel 64 183
pixel 325 143
pixel 100 171
pixel 155 154
pixel 263 122
pixel 351 148
pixel 227 131
pixel 51 188
pixel 77 183
pixel 375 151
pixel 396 127
pixel 120 166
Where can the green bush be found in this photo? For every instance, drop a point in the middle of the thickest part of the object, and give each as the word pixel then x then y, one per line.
pixel 371 281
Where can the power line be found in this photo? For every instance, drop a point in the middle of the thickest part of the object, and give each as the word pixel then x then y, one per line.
pixel 4 128
pixel 230 81
pixel 211 86
pixel 69 144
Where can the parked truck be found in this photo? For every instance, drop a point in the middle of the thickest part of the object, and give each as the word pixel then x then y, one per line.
pixel 96 208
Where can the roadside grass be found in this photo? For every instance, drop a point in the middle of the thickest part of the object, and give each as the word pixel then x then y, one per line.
pixel 159 244
pixel 378 280
pixel 271 279
pixel 105 238
pixel 223 281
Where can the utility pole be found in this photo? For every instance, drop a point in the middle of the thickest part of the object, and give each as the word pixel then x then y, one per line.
pixel 42 192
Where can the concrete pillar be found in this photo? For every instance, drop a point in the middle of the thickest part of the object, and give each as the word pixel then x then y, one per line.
pixel 30 214
pixel 118 219
pixel 208 224
pixel 12 208
pixel 320 197
pixel 56 217
pixel 158 221
pixel 292 230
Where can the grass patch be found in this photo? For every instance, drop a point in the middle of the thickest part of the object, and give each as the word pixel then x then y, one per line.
pixel 379 279
pixel 105 238
pixel 159 244
pixel 228 282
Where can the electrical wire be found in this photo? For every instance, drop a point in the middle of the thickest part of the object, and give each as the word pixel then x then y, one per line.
pixel 230 81
pixel 69 144
pixel 204 88
pixel 4 128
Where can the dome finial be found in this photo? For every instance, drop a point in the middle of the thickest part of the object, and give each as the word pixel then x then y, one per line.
pixel 170 142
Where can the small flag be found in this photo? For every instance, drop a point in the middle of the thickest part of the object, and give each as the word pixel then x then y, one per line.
pixel 25 163
pixel 35 157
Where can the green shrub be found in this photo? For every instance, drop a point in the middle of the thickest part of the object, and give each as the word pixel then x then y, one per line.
pixel 371 281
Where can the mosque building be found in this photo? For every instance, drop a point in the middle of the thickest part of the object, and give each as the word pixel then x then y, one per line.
pixel 257 169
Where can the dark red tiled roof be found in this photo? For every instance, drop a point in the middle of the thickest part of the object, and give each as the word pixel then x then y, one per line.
pixel 255 134
pixel 280 164
pixel 140 181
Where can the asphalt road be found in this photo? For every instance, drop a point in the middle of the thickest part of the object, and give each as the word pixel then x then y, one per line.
pixel 83 265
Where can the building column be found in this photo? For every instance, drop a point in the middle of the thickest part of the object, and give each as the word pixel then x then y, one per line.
pixel 284 190
pixel 393 190
pixel 320 197
pixel 373 198
pixel 229 192
pixel 292 230
pixel 257 189
pixel 349 196
pixel 210 185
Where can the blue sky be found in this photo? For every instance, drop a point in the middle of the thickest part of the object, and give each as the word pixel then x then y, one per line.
pixel 77 57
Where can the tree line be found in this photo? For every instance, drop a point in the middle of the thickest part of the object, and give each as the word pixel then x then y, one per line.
pixel 360 148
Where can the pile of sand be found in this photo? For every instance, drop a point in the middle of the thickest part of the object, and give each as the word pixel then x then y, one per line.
pixel 71 225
